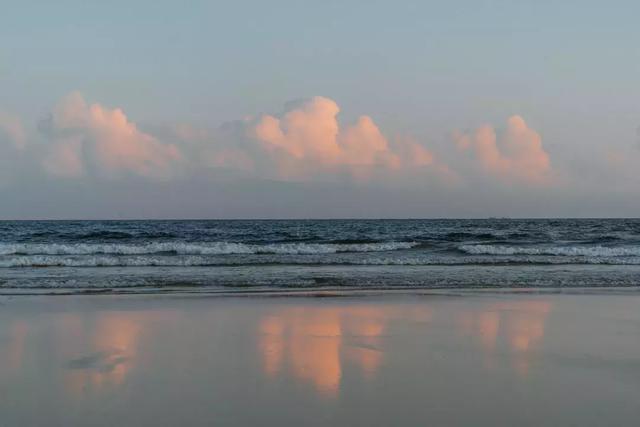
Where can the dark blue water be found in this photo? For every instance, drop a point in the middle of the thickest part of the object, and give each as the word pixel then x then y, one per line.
pixel 144 256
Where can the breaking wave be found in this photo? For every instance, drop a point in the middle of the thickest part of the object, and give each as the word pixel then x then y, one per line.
pixel 213 248
pixel 106 260
pixel 79 255
pixel 576 251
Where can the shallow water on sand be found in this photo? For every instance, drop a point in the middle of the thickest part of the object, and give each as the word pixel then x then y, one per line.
pixel 390 360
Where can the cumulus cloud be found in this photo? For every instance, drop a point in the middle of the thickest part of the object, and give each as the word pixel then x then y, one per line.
pixel 309 131
pixel 93 139
pixel 307 140
pixel 515 154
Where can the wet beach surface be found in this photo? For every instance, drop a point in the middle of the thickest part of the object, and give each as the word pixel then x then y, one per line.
pixel 422 359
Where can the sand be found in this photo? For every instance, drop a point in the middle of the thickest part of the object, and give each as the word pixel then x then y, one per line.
pixel 442 360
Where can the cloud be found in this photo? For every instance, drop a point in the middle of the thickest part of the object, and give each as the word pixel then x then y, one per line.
pixel 308 160
pixel 95 140
pixel 307 141
pixel 11 131
pixel 308 131
pixel 65 158
pixel 515 154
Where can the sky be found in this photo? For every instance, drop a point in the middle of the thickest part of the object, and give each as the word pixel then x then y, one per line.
pixel 332 109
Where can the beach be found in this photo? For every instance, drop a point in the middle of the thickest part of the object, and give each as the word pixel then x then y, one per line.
pixel 313 358
pixel 321 213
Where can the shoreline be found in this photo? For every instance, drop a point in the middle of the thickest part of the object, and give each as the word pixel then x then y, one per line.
pixel 337 292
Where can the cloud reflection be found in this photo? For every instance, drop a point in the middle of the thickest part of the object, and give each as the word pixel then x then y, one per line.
pixel 306 341
pixel 113 345
pixel 519 325
pixel 314 344
pixel 15 351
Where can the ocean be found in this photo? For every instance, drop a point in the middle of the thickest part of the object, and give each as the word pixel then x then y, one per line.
pixel 263 255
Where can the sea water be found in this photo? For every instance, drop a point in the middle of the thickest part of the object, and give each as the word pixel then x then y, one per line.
pixel 210 255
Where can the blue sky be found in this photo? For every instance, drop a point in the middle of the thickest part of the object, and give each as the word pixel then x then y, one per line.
pixel 418 68
pixel 221 60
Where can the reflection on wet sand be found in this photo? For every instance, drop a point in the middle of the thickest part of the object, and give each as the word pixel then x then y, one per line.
pixel 93 352
pixel 411 360
pixel 15 352
pixel 113 346
pixel 314 343
pixel 520 323
pixel 309 341
pixel 526 331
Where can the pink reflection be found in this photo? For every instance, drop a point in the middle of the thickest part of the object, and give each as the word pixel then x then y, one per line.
pixel 15 352
pixel 526 330
pixel 520 324
pixel 314 343
pixel 307 342
pixel 113 348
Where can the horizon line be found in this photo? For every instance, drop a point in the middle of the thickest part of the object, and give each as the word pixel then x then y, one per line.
pixel 326 219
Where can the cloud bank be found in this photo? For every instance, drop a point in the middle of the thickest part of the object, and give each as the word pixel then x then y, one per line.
pixel 92 139
pixel 305 142
pixel 304 152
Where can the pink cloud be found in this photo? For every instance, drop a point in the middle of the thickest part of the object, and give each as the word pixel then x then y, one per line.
pixel 308 140
pixel 65 158
pixel 305 142
pixel 12 131
pixel 515 154
pixel 95 139
pixel 363 144
pixel 309 131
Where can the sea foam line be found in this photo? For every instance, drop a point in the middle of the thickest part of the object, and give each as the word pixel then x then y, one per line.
pixel 213 248
pixel 28 261
pixel 589 251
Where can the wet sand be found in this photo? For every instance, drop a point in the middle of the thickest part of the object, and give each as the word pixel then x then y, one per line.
pixel 481 359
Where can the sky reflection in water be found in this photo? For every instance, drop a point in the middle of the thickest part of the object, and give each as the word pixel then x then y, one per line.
pixel 503 359
pixel 315 345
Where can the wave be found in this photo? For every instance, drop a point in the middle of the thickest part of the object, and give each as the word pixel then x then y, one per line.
pixel 589 281
pixel 205 261
pixel 580 251
pixel 103 235
pixel 213 248
pixel 467 235
pixel 97 235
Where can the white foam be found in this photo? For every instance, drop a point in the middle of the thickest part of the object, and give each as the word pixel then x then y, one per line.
pixel 26 261
pixel 587 251
pixel 181 248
